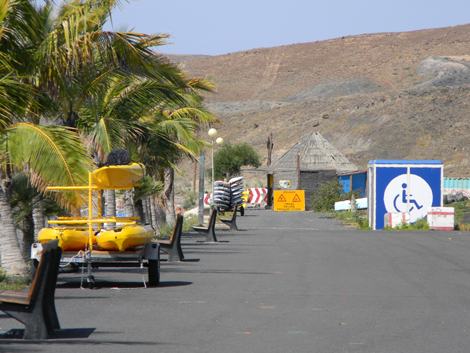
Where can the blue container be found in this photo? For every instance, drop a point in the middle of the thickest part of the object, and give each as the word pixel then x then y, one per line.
pixel 354 181
pixel 403 186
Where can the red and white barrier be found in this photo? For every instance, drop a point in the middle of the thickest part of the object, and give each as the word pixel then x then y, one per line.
pixel 396 219
pixel 441 218
pixel 257 195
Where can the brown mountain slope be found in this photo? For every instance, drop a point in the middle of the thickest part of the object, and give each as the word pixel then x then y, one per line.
pixel 374 96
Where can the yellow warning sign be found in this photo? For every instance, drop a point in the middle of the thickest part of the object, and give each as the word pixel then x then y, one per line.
pixel 289 200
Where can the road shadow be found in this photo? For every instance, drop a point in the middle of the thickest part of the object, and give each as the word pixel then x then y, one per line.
pixel 68 333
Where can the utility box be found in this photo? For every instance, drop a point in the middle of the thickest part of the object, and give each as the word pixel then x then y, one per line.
pixel 441 218
pixel 403 186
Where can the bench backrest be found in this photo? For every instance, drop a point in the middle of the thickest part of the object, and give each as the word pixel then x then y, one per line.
pixel 43 268
pixel 234 214
pixel 213 218
pixel 178 227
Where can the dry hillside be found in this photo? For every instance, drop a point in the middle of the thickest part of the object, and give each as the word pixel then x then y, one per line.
pixel 373 96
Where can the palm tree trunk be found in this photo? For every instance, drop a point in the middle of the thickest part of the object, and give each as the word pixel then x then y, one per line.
pixel 28 236
pixel 139 210
pixel 12 261
pixel 129 203
pixel 111 207
pixel 38 215
pixel 169 195
pixel 153 212
pixel 146 201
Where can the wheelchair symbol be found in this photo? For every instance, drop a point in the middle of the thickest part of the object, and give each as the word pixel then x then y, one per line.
pixel 411 191
pixel 405 200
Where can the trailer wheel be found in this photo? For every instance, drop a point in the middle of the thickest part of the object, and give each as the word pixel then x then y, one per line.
pixel 154 272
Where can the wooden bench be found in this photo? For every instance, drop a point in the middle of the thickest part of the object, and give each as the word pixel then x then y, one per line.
pixel 36 309
pixel 209 232
pixel 173 246
pixel 232 222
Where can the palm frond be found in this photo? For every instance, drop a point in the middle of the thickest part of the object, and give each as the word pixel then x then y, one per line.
pixel 53 155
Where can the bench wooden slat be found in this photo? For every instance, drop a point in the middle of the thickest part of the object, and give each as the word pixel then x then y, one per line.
pixel 12 298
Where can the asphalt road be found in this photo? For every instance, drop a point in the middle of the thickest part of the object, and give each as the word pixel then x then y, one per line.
pixel 287 282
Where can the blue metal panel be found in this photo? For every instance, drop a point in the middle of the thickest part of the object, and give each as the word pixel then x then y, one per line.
pixel 433 178
pixel 345 180
pixel 359 182
pixel 384 176
pixel 391 161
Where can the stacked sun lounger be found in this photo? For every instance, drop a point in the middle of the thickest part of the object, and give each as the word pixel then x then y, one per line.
pixel 236 190
pixel 227 195
pixel 221 194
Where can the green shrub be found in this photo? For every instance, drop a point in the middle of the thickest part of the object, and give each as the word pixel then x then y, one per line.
pixel 329 193
pixel 420 224
pixel 7 283
pixel 355 219
pixel 190 200
pixel 166 230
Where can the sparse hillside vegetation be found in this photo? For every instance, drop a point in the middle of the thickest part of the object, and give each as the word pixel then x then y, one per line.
pixel 373 96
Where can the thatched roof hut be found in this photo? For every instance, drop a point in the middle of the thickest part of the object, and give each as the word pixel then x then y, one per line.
pixel 313 152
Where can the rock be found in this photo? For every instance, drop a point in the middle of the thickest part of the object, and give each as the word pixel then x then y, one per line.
pixel 459 197
pixel 448 198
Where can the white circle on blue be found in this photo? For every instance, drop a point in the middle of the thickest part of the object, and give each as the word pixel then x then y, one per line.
pixel 408 194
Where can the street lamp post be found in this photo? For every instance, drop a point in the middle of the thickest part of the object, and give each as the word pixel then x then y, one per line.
pixel 213 133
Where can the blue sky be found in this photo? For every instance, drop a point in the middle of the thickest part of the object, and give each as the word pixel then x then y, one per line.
pixel 215 27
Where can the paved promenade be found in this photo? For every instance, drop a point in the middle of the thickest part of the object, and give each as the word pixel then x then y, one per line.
pixel 287 282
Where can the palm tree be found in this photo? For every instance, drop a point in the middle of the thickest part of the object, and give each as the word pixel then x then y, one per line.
pixel 47 154
pixel 56 64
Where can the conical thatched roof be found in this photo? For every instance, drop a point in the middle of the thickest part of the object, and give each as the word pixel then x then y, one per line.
pixel 315 153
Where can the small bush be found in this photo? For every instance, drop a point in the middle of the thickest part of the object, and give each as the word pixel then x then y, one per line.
pixel 165 231
pixel 190 200
pixel 7 283
pixel 420 224
pixel 329 193
pixel 355 219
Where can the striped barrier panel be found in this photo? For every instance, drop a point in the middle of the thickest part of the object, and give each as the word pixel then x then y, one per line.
pixel 396 219
pixel 257 195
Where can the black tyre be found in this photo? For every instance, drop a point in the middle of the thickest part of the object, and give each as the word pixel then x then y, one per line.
pixel 154 272
pixel 242 211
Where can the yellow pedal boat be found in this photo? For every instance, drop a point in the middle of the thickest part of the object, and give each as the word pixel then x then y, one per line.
pixel 124 238
pixel 118 176
pixel 69 239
